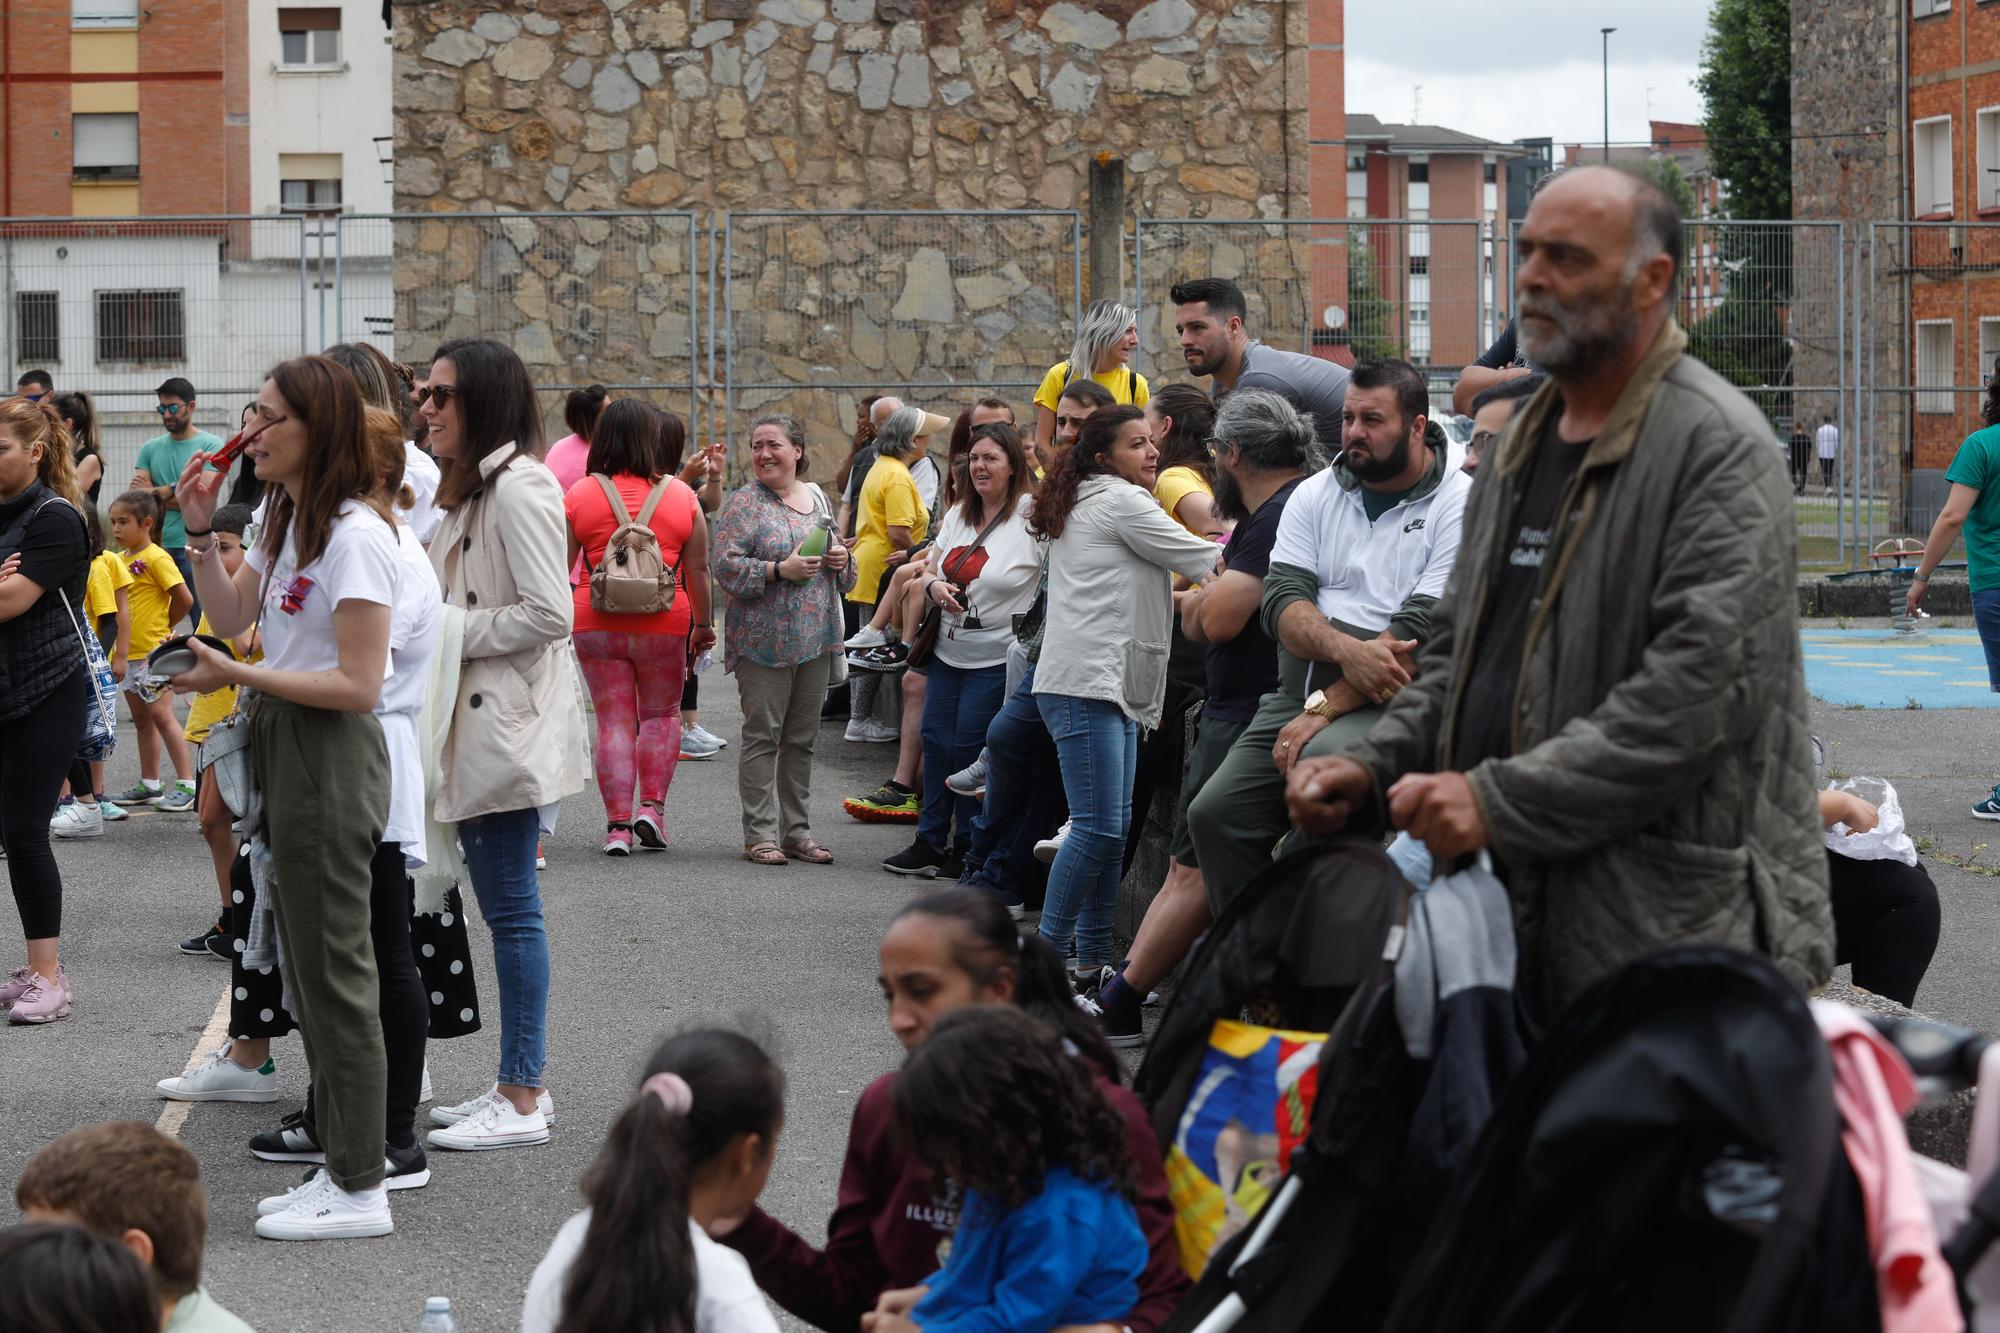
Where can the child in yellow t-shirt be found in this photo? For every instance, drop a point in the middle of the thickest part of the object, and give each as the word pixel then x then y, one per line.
pixel 159 597
pixel 229 524
pixel 84 809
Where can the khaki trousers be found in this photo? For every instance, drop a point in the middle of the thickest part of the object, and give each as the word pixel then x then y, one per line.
pixel 781 708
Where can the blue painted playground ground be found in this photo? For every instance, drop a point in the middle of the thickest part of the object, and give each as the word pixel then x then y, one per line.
pixel 1879 668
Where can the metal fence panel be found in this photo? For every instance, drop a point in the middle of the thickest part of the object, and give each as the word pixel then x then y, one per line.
pixel 819 308
pixel 115 306
pixel 610 298
pixel 1346 289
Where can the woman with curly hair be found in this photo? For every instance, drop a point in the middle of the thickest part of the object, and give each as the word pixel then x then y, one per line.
pixel 1047 1235
pixel 1103 670
pixel 952 949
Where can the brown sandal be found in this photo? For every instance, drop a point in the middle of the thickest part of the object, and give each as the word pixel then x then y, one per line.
pixel 810 852
pixel 764 854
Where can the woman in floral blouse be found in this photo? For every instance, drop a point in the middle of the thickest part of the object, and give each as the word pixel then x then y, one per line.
pixel 782 629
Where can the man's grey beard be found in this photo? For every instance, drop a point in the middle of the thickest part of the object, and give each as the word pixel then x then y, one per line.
pixel 1585 335
pixel 1229 504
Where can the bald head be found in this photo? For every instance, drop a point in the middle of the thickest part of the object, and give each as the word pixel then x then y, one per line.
pixel 884 408
pixel 1599 255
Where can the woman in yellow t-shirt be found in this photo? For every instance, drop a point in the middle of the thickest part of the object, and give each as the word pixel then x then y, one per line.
pixel 1105 341
pixel 1182 420
pixel 891 516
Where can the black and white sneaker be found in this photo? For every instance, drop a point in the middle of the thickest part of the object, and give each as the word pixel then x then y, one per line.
pixel 919 859
pixel 203 945
pixel 294 1140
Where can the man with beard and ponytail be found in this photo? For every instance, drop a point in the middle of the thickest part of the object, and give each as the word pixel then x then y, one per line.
pixel 1361 557
pixel 1264 450
pixel 1611 701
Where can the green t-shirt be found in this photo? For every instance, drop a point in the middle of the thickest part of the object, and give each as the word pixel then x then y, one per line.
pixel 1375 503
pixel 197 1312
pixel 164 458
pixel 1977 465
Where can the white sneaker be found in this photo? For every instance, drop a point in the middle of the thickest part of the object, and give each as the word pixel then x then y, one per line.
pixel 704 737
pixel 451 1115
pixel 970 780
pixel 322 1210
pixel 1046 849
pixel 425 1095
pixel 698 744
pixel 74 819
pixel 868 637
pixel 870 731
pixel 494 1125
pixel 221 1079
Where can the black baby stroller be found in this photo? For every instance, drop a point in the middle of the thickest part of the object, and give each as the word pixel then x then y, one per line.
pixel 1668 1158
pixel 1283 1133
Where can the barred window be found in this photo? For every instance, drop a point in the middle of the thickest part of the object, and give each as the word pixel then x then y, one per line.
pixel 141 326
pixel 36 315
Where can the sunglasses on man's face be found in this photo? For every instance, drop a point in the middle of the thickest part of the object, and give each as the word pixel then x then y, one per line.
pixel 171 409
pixel 33 395
pixel 436 393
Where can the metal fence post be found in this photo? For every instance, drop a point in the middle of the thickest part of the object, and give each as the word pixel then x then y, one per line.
pixel 729 337
pixel 339 312
pixel 1139 278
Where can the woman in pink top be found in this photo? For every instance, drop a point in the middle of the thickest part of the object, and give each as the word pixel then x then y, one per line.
pixel 636 664
pixel 569 457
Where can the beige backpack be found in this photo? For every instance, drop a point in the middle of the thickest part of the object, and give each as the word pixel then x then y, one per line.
pixel 633 578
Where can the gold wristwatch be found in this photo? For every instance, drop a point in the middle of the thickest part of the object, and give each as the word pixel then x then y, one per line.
pixel 1319 705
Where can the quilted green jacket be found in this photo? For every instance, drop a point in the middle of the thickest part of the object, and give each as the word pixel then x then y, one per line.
pixel 1661 785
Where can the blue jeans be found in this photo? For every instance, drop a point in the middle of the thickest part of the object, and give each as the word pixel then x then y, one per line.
pixel 500 859
pixel 1099 749
pixel 1986 616
pixel 958 703
pixel 1024 801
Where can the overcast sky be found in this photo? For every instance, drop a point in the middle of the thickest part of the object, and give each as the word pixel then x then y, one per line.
pixel 1526 68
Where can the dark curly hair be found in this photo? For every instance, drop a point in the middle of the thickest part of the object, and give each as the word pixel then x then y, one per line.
pixel 1057 497
pixel 993 1101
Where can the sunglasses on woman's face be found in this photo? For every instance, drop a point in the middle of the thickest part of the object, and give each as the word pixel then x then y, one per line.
pixel 436 393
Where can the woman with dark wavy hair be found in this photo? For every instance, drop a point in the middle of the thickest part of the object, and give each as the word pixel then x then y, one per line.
pixel 319 585
pixel 1182 419
pixel 952 949
pixel 1103 673
pixel 687 1157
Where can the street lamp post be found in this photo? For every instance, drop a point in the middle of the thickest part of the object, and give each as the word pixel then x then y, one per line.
pixel 1607 91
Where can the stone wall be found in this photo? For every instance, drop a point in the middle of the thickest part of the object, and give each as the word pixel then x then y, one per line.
pixel 718 105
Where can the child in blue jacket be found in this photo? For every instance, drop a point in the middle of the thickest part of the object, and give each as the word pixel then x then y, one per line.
pixel 1047 1235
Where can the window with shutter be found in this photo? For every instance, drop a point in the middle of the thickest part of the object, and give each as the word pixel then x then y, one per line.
pixel 105 145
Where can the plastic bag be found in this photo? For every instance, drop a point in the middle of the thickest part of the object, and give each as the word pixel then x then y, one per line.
pixel 1887 841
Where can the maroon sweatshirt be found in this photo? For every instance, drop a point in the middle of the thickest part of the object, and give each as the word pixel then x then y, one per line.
pixel 890 1221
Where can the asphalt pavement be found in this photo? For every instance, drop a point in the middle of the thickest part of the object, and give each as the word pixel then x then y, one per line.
pixel 645 946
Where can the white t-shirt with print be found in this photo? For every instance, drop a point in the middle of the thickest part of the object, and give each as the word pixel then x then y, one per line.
pixel 1001 578
pixel 413 640
pixel 359 564
pixel 726 1297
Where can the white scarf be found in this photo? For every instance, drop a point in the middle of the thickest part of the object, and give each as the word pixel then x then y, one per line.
pixel 442 869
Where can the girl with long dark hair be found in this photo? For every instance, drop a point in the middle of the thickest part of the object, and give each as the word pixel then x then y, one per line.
pixel 515 743
pixel 319 586
pixel 1182 419
pixel 1103 670
pixel 79 413
pixel 688 1155
pixel 45 688
pixel 952 949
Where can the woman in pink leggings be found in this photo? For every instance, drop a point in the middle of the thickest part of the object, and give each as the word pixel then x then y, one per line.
pixel 636 664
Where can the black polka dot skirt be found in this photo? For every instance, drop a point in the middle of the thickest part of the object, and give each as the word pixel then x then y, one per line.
pixel 443 954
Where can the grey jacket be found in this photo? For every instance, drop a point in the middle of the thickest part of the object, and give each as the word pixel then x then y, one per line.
pixel 1661 786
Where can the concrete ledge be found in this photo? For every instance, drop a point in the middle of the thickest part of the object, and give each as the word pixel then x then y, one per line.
pixel 1940 1131
pixel 1871 597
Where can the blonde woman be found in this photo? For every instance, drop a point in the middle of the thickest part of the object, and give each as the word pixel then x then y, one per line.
pixel 1105 341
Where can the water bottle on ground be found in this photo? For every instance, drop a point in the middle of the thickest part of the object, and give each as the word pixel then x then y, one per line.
pixel 438 1317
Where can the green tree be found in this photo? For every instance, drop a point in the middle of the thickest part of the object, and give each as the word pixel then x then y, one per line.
pixel 1374 326
pixel 1666 173
pixel 1746 88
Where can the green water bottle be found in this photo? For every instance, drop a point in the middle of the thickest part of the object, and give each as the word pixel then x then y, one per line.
pixel 816 541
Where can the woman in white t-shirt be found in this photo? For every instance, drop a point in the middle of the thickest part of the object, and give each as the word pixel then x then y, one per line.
pixel 686 1158
pixel 983 576
pixel 319 584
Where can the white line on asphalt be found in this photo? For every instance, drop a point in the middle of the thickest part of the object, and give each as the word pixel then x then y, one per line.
pixel 176 1113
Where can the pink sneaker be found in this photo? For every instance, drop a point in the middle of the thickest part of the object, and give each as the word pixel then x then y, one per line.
pixel 617 841
pixel 16 982
pixel 43 1001
pixel 649 828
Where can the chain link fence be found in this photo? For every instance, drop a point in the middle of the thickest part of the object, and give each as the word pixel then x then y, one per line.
pixel 1420 290
pixel 820 309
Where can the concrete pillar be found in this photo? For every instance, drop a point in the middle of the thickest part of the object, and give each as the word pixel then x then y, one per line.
pixel 1106 228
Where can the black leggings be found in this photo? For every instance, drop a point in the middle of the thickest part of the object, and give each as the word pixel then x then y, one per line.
pixel 691 692
pixel 35 753
pixel 1885 922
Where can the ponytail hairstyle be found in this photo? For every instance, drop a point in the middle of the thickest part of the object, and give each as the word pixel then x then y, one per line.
pixel 1190 415
pixel 985 942
pixel 636 1271
pixel 992 1101
pixel 39 425
pixel 1057 496
pixel 79 413
pixel 385 445
pixel 583 407
pixel 1102 328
